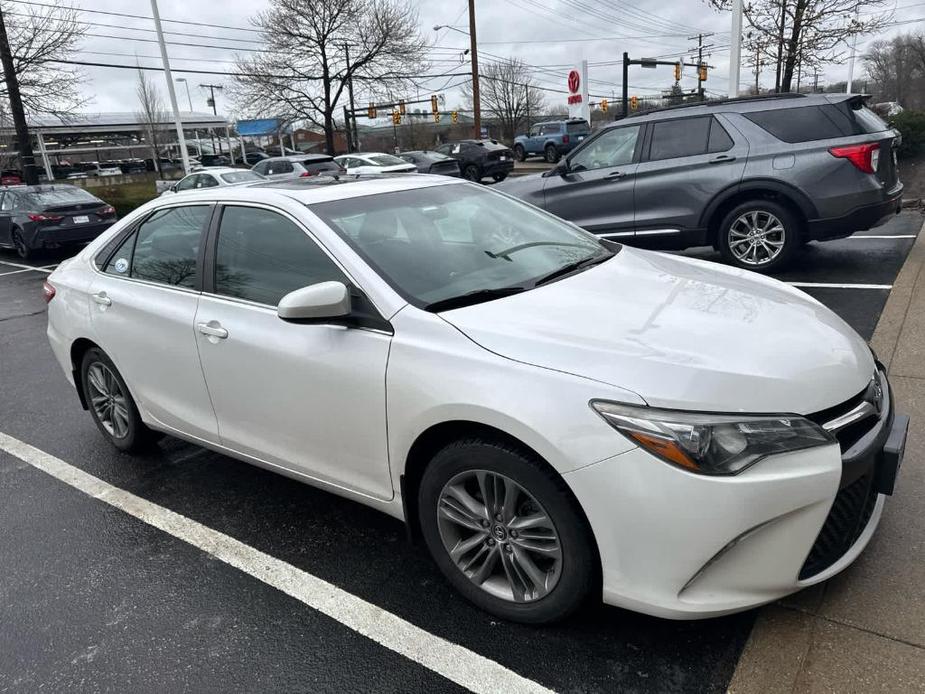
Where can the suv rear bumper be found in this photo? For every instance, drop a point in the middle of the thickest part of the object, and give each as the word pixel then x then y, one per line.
pixel 859 219
pixel 490 167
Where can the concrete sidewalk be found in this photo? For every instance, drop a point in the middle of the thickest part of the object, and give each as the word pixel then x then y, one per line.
pixel 864 630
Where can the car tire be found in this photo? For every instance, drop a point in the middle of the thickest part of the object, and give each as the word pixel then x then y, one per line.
pixel 497 178
pixel 520 154
pixel 19 244
pixel 117 416
pixel 551 154
pixel 554 570
pixel 473 173
pixel 759 235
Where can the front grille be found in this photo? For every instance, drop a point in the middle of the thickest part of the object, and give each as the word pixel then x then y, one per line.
pixel 846 521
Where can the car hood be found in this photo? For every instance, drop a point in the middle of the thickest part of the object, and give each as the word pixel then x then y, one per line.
pixel 526 187
pixel 680 333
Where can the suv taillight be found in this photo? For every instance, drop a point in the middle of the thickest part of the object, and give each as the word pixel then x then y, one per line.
pixel 565 139
pixel 48 291
pixel 865 157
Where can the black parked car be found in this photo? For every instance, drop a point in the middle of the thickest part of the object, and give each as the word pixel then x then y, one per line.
pixel 432 162
pixel 254 156
pixel 480 158
pixel 49 216
pixel 215 160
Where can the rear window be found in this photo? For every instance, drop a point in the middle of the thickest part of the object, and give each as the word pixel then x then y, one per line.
pixel 314 167
pixel 60 196
pixel 386 160
pixel 577 127
pixel 241 177
pixel 825 122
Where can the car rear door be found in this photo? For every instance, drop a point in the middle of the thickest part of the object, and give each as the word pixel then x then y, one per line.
pixel 143 306
pixel 685 163
pixel 307 397
pixel 596 191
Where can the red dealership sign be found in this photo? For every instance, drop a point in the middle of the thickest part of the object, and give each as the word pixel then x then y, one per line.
pixel 574 81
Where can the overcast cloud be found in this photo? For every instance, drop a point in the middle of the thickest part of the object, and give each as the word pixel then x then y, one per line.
pixel 553 40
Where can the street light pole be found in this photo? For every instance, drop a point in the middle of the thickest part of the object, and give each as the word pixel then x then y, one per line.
pixel 735 52
pixel 476 101
pixel 189 101
pixel 184 155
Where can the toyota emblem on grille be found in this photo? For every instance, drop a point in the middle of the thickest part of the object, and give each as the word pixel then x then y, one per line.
pixel 875 395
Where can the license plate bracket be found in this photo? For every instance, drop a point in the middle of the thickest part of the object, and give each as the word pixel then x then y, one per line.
pixel 891 458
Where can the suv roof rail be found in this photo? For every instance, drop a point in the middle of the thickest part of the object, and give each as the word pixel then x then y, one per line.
pixel 721 102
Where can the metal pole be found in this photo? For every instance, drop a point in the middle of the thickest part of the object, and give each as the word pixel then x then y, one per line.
pixel 625 99
pixel 353 138
pixel 780 44
pixel 349 129
pixel 854 50
pixel 473 51
pixel 49 174
pixel 735 50
pixel 184 155
pixel 230 150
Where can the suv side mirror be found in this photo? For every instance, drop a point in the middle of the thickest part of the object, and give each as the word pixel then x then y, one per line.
pixel 560 169
pixel 316 303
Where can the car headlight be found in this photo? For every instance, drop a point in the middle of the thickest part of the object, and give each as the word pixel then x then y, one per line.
pixel 711 444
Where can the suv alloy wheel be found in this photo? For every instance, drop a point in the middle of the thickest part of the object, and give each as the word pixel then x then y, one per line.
pixel 759 235
pixel 520 153
pixel 551 154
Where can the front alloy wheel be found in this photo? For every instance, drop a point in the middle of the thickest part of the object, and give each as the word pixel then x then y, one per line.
pixel 499 536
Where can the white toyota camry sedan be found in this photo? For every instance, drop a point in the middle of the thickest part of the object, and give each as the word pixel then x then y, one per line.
pixel 556 417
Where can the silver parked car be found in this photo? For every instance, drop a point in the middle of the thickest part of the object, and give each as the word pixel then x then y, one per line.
pixel 213 178
pixel 297 166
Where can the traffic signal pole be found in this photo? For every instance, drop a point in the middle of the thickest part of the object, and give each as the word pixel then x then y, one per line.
pixel 624 101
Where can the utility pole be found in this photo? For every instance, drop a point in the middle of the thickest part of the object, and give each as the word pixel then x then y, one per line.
pixel 854 50
pixel 700 48
pixel 184 155
pixel 24 142
pixel 352 144
pixel 212 88
pixel 757 68
pixel 473 51
pixel 624 99
pixel 815 80
pixel 735 49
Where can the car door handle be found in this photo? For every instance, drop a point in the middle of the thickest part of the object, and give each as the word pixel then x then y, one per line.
pixel 614 175
pixel 102 299
pixel 212 330
pixel 721 159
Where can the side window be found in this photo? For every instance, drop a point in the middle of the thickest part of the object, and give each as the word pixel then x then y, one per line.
pixel 613 147
pixel 534 131
pixel 802 124
pixel 262 256
pixel 121 261
pixel 261 167
pixel 188 183
pixel 7 203
pixel 684 137
pixel 719 138
pixel 167 246
pixel 443 149
pixel 207 181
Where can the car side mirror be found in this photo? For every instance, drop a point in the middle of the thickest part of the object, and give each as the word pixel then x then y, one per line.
pixel 560 169
pixel 316 303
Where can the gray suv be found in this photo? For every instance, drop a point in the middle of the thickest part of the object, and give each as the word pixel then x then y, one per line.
pixel 754 177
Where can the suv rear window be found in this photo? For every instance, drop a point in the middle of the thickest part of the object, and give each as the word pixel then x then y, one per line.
pixel 577 128
pixel 825 122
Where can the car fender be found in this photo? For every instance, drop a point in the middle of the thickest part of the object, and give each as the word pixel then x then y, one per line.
pixel 799 198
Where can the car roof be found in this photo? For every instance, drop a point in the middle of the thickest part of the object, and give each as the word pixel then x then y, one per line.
pixel 746 104
pixel 220 170
pixel 42 188
pixel 301 157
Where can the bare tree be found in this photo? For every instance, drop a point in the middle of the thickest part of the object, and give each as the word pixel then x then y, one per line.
pixel 897 69
pixel 152 115
pixel 304 71
pixel 808 32
pixel 507 94
pixel 38 36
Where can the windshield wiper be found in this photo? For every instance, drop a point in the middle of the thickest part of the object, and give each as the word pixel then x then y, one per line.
pixel 476 297
pixel 533 244
pixel 572 267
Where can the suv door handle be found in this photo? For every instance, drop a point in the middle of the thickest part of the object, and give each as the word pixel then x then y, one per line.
pixel 102 299
pixel 212 330
pixel 722 158
pixel 613 175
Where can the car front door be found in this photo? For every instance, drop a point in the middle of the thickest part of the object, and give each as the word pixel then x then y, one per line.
pixel 686 163
pixel 142 307
pixel 596 190
pixel 306 397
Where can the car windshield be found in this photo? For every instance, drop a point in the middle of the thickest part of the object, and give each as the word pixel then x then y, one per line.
pixel 59 196
pixel 241 176
pixel 440 244
pixel 385 160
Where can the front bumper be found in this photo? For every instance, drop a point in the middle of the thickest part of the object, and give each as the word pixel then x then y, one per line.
pixel 859 219
pixel 684 546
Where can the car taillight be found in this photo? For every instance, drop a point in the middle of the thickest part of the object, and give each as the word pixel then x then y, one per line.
pixel 107 211
pixel 565 139
pixel 48 291
pixel 307 173
pixel 865 157
pixel 45 217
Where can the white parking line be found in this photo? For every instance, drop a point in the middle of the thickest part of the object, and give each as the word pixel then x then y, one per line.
pixel 883 236
pixel 456 663
pixel 834 285
pixel 14 272
pixel 25 267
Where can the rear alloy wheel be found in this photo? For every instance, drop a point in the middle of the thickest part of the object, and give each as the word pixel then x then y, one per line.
pixel 506 532
pixel 110 403
pixel 760 235
pixel 551 154
pixel 497 178
pixel 22 250
pixel 472 173
pixel 520 153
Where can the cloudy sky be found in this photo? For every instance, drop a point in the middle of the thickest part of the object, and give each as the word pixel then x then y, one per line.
pixel 550 35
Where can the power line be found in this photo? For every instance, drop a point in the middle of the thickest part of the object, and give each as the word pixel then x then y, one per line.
pixel 596 38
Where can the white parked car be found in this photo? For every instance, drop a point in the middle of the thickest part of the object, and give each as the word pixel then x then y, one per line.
pixel 93 169
pixel 213 178
pixel 374 163
pixel 557 417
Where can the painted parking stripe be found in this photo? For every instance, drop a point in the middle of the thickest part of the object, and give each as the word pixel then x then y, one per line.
pixel 835 285
pixel 25 267
pixel 456 663
pixel 14 272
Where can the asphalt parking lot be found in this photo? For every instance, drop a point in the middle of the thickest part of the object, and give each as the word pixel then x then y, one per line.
pixel 96 596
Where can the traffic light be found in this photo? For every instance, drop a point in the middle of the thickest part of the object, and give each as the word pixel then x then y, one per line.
pixel 604 105
pixel 677 72
pixel 433 104
pixel 455 116
pixel 436 117
pixel 401 106
pixel 396 117
pixel 702 72
pixel 634 103
pixel 371 111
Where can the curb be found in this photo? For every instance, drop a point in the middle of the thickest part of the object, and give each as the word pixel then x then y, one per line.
pixel 783 634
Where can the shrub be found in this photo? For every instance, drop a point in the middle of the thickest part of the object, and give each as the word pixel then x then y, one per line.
pixel 912 126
